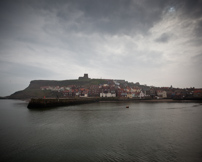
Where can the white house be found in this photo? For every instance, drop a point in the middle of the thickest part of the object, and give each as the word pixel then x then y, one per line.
pixel 84 95
pixel 141 95
pixel 162 94
pixel 107 94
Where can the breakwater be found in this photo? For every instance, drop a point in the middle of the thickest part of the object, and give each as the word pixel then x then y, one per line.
pixel 51 102
pixel 46 103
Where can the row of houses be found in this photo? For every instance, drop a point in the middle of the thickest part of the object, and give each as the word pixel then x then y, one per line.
pixel 118 90
pixel 175 93
pixel 104 90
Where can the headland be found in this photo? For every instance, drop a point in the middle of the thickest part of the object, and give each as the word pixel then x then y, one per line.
pixel 48 93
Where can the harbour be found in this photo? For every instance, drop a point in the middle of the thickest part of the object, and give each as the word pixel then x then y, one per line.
pixel 101 131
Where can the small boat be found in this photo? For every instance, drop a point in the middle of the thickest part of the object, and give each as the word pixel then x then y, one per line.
pixel 127 106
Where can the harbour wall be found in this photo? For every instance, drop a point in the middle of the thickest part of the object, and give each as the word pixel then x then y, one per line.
pixel 46 103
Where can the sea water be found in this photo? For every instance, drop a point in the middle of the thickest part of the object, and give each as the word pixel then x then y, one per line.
pixel 101 132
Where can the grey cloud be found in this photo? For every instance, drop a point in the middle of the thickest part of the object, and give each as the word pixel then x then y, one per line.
pixel 164 38
pixel 198 29
pixel 197 59
pixel 192 8
pixel 116 17
pixel 108 17
pixel 122 17
pixel 25 71
pixel 111 17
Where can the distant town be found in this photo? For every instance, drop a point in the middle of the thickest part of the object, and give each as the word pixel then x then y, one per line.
pixel 123 89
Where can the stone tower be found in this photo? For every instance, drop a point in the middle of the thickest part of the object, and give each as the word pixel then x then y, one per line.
pixel 85 76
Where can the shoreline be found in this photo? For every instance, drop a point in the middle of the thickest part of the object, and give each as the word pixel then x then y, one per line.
pixel 159 101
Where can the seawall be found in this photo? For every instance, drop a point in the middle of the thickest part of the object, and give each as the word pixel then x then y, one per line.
pixel 46 103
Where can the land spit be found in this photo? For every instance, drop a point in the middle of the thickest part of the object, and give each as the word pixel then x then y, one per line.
pixel 47 103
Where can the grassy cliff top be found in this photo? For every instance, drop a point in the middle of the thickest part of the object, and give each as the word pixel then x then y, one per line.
pixel 35 84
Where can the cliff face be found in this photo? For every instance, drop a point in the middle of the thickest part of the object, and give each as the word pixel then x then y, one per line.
pixel 34 91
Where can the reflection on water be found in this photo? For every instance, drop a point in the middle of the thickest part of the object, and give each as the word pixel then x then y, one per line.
pixel 101 132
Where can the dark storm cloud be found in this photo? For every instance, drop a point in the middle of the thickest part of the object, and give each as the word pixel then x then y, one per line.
pixel 108 17
pixel 119 16
pixel 191 8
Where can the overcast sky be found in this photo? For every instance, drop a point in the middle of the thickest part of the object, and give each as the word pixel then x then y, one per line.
pixel 154 42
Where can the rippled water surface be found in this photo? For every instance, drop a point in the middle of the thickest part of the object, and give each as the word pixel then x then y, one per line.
pixel 101 132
